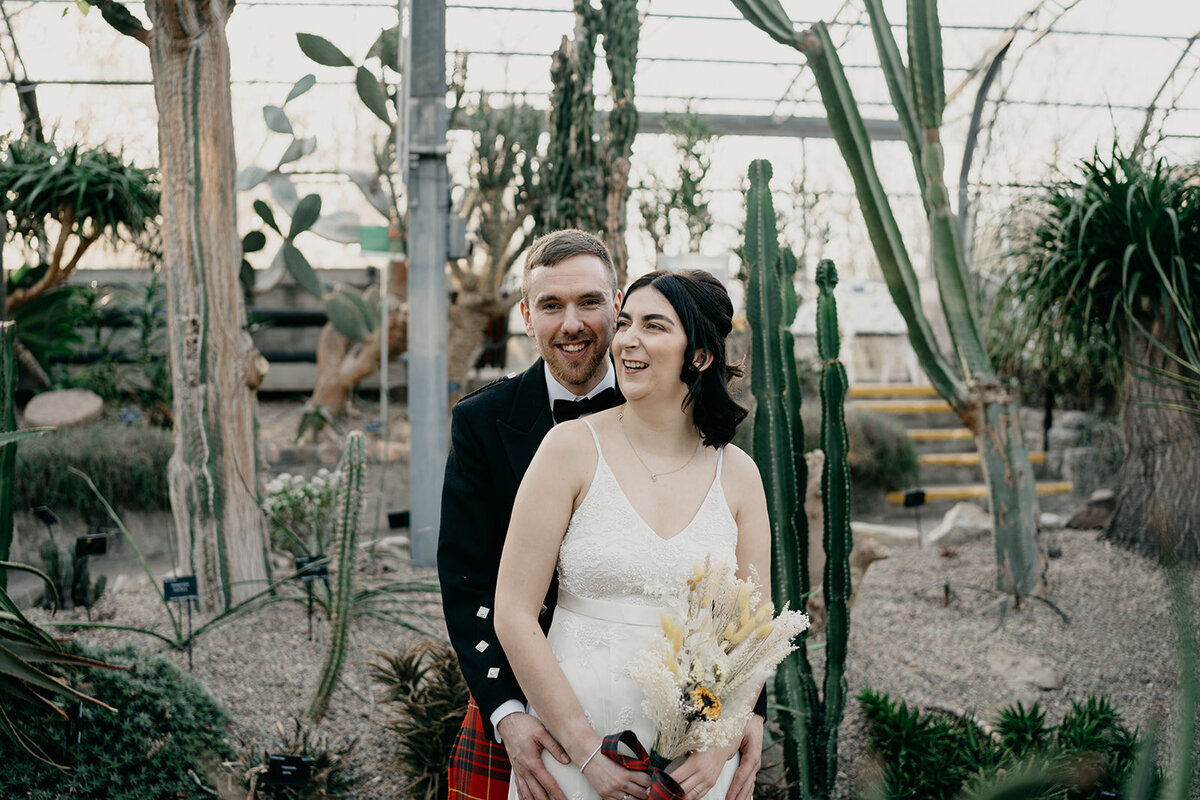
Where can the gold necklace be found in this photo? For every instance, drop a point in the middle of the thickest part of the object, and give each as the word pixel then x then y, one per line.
pixel 653 475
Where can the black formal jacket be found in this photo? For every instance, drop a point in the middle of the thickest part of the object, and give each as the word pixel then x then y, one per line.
pixel 494 434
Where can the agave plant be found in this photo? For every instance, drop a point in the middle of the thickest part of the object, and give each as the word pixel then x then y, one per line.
pixel 24 650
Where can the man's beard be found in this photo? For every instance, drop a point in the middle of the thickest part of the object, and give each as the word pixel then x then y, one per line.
pixel 575 373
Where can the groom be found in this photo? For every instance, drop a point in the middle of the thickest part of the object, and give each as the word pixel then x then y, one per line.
pixel 569 302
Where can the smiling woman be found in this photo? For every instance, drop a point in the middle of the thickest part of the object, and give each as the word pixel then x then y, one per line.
pixel 622 505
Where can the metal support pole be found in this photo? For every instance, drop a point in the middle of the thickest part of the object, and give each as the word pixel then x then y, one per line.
pixel 428 222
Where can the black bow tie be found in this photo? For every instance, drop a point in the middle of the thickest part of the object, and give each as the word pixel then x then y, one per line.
pixel 574 409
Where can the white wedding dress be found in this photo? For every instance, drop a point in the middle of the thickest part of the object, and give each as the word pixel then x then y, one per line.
pixel 614 572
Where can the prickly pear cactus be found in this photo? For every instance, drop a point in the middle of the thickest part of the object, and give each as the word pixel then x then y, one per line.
pixel 345 542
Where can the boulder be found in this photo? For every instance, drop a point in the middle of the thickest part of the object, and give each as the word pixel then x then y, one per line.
pixel 1096 513
pixel 962 523
pixel 1050 522
pixel 63 408
pixel 884 534
pixel 1025 674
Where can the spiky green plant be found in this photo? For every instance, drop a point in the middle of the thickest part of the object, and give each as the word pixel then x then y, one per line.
pixel 70 583
pixel 811 717
pixel 1111 258
pixel 345 539
pixel 971 386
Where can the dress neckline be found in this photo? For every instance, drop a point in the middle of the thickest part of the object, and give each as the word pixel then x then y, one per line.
pixel 601 461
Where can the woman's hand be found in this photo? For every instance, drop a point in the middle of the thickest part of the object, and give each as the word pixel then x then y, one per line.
pixel 614 782
pixel 699 771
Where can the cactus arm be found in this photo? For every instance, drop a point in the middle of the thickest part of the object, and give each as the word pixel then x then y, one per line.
pixel 896 75
pixel 341 608
pixel 769 16
pixel 925 60
pixel 835 500
pixel 854 143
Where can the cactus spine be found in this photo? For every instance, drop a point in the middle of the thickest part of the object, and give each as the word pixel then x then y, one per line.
pixel 809 723
pixel 345 539
pixel 8 452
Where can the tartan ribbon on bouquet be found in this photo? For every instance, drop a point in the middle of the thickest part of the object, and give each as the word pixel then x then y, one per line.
pixel 662 785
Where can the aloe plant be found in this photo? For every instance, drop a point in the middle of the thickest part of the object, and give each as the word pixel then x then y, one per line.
pixel 810 717
pixel 345 539
pixel 971 386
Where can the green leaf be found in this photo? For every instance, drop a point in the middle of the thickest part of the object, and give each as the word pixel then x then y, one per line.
pixel 386 49
pixel 348 313
pixel 277 119
pixel 266 215
pixel 306 213
pixel 301 86
pixel 297 149
pixel 371 92
pixel 322 51
pixel 8 437
pixel 253 241
pixel 250 177
pixel 300 270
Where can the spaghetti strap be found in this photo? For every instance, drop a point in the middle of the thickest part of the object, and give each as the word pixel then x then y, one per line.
pixel 720 460
pixel 595 438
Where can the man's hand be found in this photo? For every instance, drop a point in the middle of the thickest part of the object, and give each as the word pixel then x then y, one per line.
pixel 525 737
pixel 742 787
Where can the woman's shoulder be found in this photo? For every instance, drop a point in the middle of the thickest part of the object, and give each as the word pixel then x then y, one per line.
pixel 738 471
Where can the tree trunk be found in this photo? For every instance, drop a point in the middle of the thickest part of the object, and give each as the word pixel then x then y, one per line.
pixel 343 362
pixel 468 319
pixel 1011 489
pixel 214 365
pixel 1158 505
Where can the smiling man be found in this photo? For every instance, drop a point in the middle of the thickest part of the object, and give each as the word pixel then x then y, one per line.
pixel 569 302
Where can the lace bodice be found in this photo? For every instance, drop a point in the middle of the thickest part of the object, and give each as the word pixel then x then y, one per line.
pixel 610 553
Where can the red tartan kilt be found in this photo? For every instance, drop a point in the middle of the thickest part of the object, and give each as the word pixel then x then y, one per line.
pixel 479 768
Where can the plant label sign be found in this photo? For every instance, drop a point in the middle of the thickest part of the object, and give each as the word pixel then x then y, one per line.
pixel 181 588
pixel 287 771
pixel 317 572
pixel 95 544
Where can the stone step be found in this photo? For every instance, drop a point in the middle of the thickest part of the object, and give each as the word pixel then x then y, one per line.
pixel 976 491
pixel 890 390
pixel 914 405
pixel 941 468
pixel 942 440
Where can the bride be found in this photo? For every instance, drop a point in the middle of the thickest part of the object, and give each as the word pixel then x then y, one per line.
pixel 623 503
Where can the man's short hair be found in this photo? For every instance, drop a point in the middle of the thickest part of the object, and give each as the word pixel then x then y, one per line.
pixel 552 248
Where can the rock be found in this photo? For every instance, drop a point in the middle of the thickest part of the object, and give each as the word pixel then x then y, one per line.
pixel 291 455
pixel 63 408
pixel 1096 513
pixel 271 453
pixel 1050 522
pixel 884 534
pixel 1023 672
pixel 964 522
pixel 1071 420
pixel 1062 438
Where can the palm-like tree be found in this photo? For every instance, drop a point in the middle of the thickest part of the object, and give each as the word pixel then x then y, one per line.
pixel 1115 254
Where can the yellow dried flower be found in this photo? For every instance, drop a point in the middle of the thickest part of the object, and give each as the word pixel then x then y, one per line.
pixel 707 704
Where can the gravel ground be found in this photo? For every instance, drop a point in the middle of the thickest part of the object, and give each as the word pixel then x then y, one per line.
pixel 905 640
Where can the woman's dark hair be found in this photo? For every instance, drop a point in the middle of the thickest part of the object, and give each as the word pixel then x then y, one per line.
pixel 706 314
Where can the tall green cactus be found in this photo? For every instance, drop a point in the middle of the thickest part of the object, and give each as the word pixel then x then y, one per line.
pixel 971 386
pixel 810 719
pixel 8 423
pixel 345 539
pixel 585 181
pixel 837 539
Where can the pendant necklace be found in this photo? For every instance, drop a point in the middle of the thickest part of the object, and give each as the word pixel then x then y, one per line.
pixel 653 475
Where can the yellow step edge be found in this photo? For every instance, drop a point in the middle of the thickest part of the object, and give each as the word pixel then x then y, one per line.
pixel 891 390
pixel 939 434
pixel 915 406
pixel 966 459
pixel 976 491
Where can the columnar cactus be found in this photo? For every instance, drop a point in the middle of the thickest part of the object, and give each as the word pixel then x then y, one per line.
pixel 345 541
pixel 809 722
pixel 838 541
